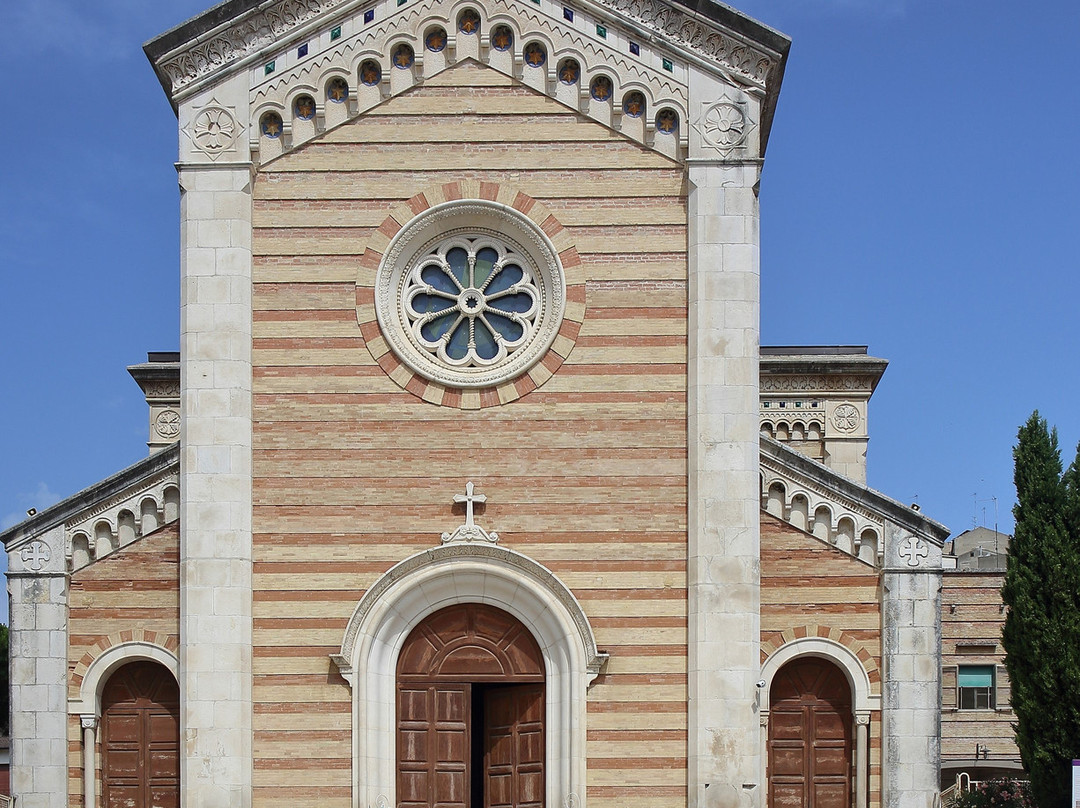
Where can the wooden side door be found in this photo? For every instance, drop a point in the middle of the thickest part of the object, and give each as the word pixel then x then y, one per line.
pixel 810 737
pixel 140 738
pixel 434 745
pixel 514 747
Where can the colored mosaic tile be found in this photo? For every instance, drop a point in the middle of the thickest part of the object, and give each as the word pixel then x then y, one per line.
pixel 633 104
pixel 369 16
pixel 502 38
pixel 600 89
pixel 304 108
pixel 370 73
pixel 271 125
pixel 269 68
pixel 569 71
pixel 403 56
pixel 601 32
pixel 469 21
pixel 568 14
pixel 635 49
pixel 535 55
pixel 335 33
pixel 667 121
pixel 668 66
pixel 435 40
pixel 337 90
pixel 302 51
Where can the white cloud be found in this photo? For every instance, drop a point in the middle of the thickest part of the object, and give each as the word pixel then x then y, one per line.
pixel 42 498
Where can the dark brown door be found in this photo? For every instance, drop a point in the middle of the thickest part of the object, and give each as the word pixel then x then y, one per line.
pixel 470 712
pixel 810 737
pixel 514 747
pixel 433 746
pixel 140 738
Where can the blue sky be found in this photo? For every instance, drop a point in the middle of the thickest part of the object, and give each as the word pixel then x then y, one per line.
pixel 919 197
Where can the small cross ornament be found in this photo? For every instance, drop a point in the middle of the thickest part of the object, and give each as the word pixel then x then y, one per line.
pixel 36 555
pixel 912 550
pixel 470 531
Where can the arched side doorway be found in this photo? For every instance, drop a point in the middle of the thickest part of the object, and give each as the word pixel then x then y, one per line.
pixel 470 712
pixel 811 738
pixel 140 737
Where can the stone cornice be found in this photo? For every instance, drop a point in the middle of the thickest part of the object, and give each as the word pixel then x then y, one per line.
pixel 95 497
pixel 860 498
pixel 227 36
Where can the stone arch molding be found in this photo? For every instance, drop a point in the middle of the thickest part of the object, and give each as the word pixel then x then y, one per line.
pixel 467 573
pixel 863 699
pixel 98 672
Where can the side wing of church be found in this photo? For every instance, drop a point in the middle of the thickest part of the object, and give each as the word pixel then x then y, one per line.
pixel 458 494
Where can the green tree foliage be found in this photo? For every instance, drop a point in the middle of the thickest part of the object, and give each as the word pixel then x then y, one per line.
pixel 1042 630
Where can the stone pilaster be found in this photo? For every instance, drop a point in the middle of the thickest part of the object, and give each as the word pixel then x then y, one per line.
pixel 723 567
pixel 38 589
pixel 911 697
pixel 215 457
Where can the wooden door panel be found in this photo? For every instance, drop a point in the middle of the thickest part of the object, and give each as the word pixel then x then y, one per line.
pixel 810 737
pixel 514 747
pixel 470 720
pixel 141 738
pixel 433 746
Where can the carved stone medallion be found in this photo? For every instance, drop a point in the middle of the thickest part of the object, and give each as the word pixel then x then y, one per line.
pixel 213 130
pixel 846 418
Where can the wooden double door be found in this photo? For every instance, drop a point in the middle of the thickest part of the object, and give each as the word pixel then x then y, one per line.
pixel 810 737
pixel 470 712
pixel 140 738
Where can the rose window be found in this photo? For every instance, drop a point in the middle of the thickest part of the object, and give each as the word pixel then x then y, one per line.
pixel 470 294
pixel 471 302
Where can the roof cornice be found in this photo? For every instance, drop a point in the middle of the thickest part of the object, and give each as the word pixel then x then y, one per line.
pixel 237 33
pixel 88 498
pixel 775 453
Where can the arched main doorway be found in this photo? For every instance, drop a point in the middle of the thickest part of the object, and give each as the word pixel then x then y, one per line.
pixel 140 737
pixel 470 712
pixel 810 736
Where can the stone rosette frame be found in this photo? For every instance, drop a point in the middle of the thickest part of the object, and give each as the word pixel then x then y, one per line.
pixel 413 223
pixel 467 573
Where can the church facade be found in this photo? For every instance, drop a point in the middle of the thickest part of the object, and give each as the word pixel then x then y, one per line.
pixel 471 484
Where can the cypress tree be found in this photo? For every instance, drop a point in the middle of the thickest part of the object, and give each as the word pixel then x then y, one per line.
pixel 1041 636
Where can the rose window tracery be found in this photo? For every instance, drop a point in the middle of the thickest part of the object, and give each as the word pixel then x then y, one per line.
pixel 471 301
pixel 470 294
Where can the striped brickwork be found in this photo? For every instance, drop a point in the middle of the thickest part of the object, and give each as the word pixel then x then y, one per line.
pixel 131 595
pixel 810 589
pixel 586 473
pixel 971 619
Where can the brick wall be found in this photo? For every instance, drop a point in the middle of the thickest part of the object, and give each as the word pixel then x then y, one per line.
pixel 586 474
pixel 131 594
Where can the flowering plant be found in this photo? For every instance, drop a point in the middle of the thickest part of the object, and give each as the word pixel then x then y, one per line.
pixel 1004 793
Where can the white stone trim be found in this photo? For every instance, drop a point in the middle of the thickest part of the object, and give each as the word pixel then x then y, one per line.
pixel 843 657
pixel 467 573
pixel 99 671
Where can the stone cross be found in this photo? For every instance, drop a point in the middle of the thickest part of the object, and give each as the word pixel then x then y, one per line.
pixel 36 555
pixel 469 498
pixel 913 549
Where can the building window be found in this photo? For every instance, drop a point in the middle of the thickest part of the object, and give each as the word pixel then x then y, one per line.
pixel 976 687
pixel 470 294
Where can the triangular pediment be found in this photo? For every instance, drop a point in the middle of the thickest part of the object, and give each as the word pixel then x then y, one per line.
pixel 643 49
